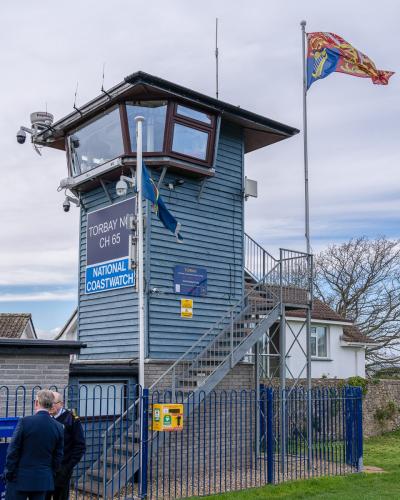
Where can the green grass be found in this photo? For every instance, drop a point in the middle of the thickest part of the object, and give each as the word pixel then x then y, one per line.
pixel 383 451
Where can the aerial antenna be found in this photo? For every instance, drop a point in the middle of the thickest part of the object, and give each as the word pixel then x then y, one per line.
pixel 74 106
pixel 216 56
pixel 102 83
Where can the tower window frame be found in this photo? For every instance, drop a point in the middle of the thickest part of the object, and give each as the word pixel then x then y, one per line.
pixel 174 117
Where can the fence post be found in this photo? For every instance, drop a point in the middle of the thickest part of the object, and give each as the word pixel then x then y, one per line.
pixel 270 435
pixel 262 420
pixel 144 442
pixel 231 340
pixel 349 411
pixel 359 428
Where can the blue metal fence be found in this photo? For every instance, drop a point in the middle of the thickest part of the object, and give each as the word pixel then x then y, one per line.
pixel 231 440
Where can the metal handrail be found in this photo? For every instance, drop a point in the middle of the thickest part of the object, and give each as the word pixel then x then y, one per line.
pixel 257 259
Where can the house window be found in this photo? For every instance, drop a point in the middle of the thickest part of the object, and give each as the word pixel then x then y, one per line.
pixel 154 113
pixel 319 341
pixel 101 399
pixel 191 134
pixel 96 143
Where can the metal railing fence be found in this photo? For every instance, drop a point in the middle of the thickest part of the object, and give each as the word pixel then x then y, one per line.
pixel 231 440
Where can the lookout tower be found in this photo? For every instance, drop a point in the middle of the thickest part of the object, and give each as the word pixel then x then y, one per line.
pixel 193 148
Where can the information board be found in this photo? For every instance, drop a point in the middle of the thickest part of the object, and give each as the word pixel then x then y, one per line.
pixel 190 280
pixel 107 247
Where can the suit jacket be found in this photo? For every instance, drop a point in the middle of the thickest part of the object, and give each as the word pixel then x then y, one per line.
pixel 35 452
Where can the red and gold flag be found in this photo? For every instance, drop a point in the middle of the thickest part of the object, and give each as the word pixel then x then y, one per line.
pixel 328 52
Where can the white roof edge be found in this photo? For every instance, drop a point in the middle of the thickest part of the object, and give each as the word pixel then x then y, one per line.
pixel 316 320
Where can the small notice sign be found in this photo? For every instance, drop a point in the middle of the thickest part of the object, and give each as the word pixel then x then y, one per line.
pixel 186 308
pixel 190 280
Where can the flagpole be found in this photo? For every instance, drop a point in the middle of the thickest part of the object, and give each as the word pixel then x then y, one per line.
pixel 306 197
pixel 308 246
pixel 140 269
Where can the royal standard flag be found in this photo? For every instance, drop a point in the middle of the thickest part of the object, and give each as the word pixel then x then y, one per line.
pixel 151 193
pixel 328 52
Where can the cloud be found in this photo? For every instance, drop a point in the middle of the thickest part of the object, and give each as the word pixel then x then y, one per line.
pixel 353 125
pixel 41 296
pixel 48 334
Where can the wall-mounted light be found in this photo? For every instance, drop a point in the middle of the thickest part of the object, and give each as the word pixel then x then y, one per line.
pixel 122 185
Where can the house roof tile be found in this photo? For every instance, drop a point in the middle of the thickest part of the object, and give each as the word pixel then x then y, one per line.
pixel 12 326
pixel 322 312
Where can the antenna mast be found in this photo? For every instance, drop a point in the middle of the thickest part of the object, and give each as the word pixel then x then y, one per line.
pixel 216 56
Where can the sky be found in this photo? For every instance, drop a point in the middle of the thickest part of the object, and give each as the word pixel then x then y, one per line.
pixel 47 47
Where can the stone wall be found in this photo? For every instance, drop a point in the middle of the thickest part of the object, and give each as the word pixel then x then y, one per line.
pixel 383 397
pixel 240 377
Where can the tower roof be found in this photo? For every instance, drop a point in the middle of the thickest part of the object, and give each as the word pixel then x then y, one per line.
pixel 259 131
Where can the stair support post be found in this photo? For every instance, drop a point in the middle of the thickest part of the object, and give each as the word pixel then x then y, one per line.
pixel 258 392
pixel 173 385
pixel 282 367
pixel 282 357
pixel 231 339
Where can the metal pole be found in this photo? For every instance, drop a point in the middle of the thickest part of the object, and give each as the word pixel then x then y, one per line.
pixel 308 245
pixel 216 58
pixel 140 269
pixel 257 391
pixel 282 367
pixel 307 200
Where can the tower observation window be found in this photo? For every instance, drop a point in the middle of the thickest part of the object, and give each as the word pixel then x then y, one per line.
pixel 190 141
pixel 192 134
pixel 154 113
pixel 96 143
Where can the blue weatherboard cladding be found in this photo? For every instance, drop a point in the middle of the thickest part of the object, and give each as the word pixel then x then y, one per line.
pixel 212 228
pixel 107 320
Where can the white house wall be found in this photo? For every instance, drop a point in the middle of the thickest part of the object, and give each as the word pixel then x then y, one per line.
pixel 341 362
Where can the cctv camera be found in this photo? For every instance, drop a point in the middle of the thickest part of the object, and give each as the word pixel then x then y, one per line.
pixel 66 205
pixel 121 188
pixel 21 136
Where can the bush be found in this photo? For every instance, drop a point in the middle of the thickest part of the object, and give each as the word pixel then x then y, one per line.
pixel 387 412
pixel 356 382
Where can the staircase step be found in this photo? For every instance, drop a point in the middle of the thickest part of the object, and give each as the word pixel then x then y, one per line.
pixel 206 370
pixel 98 474
pixel 126 448
pixel 93 488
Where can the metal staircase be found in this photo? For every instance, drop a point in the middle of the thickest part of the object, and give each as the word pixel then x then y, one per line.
pixel 272 285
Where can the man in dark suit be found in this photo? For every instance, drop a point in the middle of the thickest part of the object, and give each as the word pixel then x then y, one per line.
pixel 35 452
pixel 74 447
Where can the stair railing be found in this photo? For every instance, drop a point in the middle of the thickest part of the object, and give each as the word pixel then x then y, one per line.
pixel 257 261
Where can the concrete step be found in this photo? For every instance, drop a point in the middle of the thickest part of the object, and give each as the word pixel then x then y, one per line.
pixel 91 487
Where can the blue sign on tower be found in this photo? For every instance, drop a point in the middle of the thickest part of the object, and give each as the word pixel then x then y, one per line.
pixel 190 280
pixel 107 239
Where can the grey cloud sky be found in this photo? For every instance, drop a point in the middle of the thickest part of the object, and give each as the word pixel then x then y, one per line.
pixel 47 47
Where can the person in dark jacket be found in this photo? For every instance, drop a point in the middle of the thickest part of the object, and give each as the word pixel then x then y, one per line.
pixel 74 447
pixel 35 452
